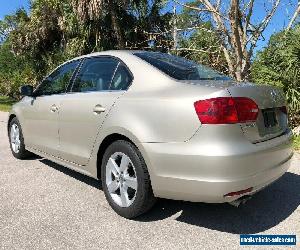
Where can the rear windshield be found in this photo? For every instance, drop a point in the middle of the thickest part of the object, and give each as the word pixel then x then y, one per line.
pixel 180 68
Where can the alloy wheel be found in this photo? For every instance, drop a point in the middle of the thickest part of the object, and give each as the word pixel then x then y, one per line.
pixel 15 138
pixel 121 179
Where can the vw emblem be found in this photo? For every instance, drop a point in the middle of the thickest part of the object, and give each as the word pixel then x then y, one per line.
pixel 274 94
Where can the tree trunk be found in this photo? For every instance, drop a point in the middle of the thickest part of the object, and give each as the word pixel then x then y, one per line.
pixel 116 25
pixel 235 21
pixel 246 68
pixel 297 11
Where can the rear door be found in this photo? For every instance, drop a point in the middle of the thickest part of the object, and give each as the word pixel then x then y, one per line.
pixel 96 88
pixel 42 111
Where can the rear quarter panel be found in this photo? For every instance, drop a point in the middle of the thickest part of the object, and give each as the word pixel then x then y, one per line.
pixel 160 115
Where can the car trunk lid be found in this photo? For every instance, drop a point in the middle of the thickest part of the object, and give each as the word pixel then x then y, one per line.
pixel 272 117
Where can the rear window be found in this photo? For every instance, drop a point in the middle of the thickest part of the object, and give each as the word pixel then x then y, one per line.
pixel 180 68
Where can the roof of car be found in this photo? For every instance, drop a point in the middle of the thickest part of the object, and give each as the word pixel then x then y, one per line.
pixel 109 53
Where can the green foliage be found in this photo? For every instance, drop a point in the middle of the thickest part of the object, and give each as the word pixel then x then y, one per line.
pixel 58 30
pixel 10 22
pixel 279 65
pixel 296 143
pixel 202 46
pixel 202 43
pixel 6 103
pixel 14 72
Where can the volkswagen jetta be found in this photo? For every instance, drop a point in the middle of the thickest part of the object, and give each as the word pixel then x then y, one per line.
pixel 149 125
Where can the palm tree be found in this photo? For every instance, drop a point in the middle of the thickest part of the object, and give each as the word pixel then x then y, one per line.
pixel 95 10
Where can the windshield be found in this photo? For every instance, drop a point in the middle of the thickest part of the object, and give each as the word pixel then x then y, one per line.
pixel 180 68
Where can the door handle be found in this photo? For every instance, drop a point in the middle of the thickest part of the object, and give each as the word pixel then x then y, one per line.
pixel 54 108
pixel 98 109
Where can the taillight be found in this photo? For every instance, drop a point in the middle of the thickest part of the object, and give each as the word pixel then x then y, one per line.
pixel 246 108
pixel 226 110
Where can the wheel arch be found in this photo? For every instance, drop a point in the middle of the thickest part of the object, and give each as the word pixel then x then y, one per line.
pixel 109 139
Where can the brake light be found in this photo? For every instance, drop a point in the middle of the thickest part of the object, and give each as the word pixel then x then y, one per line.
pixel 226 110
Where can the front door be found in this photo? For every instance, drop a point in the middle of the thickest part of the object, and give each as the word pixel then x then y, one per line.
pixel 42 111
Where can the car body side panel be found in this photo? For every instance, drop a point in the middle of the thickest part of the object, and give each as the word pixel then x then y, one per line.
pixel 159 115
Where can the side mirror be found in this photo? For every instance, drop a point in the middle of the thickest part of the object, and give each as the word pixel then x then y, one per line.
pixel 26 90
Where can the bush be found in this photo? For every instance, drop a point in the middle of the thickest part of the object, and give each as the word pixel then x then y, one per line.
pixel 15 71
pixel 296 143
pixel 6 103
pixel 279 65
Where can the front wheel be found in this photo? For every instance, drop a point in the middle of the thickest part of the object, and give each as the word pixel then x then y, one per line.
pixel 126 181
pixel 16 140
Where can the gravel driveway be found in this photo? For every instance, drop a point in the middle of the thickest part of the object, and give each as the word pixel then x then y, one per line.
pixel 46 206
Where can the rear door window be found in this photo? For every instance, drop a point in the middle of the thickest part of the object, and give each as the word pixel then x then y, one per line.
pixel 96 74
pixel 122 78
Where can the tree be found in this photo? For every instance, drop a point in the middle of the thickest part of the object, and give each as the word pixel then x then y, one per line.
pixel 197 39
pixel 14 71
pixel 123 22
pixel 150 28
pixel 202 46
pixel 279 65
pixel 57 30
pixel 294 17
pixel 236 29
pixel 11 22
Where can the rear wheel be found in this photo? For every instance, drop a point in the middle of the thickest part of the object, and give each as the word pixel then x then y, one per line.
pixel 16 140
pixel 126 181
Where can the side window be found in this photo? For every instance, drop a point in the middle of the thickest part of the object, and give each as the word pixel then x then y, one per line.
pixel 122 78
pixel 58 81
pixel 95 74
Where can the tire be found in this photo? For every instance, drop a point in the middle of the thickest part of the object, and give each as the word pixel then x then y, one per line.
pixel 136 175
pixel 18 149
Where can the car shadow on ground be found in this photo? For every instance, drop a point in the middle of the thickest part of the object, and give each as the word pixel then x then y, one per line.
pixel 78 176
pixel 265 210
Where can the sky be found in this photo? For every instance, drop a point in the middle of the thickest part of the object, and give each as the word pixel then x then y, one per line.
pixel 279 20
pixel 9 6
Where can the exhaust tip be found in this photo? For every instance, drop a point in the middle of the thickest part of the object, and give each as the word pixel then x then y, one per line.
pixel 240 201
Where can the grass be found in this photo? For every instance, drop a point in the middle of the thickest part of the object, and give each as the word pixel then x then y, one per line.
pixel 6 103
pixel 296 142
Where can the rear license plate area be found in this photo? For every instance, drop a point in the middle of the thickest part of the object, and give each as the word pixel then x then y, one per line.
pixel 270 118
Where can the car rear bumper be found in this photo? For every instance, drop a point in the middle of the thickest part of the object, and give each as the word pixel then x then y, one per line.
pixel 202 172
